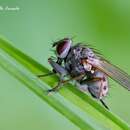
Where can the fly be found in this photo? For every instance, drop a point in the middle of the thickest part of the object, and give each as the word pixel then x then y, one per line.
pixel 86 67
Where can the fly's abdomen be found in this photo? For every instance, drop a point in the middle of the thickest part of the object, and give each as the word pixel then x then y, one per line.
pixel 98 86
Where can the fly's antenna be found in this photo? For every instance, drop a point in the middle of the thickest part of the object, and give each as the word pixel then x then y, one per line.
pixel 103 103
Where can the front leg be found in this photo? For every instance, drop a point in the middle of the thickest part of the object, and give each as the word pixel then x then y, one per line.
pixel 57 67
pixel 59 61
pixel 59 70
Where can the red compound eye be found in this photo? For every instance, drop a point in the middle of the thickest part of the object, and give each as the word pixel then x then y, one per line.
pixel 63 47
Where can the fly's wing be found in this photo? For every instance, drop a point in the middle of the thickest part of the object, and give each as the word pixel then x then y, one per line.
pixel 112 71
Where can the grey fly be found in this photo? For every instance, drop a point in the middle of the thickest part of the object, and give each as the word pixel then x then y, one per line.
pixel 87 68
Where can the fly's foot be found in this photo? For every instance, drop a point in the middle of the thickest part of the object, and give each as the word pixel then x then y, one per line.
pixel 50 91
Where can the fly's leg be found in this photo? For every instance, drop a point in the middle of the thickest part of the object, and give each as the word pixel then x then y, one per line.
pixel 61 71
pixel 56 88
pixel 57 67
pixel 89 80
pixel 104 104
pixel 59 61
pixel 62 82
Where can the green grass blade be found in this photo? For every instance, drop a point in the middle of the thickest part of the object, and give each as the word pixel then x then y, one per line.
pixel 56 101
pixel 94 110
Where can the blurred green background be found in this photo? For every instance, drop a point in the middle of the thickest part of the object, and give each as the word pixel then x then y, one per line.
pixel 32 29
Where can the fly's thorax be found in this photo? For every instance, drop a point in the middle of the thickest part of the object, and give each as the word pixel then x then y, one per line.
pixel 87 52
pixel 73 61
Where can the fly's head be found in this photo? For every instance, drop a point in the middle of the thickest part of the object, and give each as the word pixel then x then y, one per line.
pixel 62 47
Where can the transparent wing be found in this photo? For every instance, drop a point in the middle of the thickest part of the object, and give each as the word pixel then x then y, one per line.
pixel 113 72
